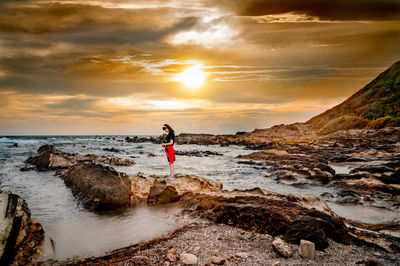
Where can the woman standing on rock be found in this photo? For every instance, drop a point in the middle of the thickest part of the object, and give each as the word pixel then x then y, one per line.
pixel 169 148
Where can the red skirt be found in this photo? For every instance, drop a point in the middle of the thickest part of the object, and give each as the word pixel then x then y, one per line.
pixel 169 150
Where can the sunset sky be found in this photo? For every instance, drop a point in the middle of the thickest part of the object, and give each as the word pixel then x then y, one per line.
pixel 115 67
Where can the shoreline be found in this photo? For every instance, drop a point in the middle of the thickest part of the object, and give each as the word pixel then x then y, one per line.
pixel 217 244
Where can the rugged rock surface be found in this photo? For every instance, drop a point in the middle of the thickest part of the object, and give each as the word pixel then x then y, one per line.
pixel 371 157
pixel 148 189
pixel 298 132
pixel 21 236
pixel 273 214
pixel 161 193
pixel 99 187
pixel 50 158
pixel 289 216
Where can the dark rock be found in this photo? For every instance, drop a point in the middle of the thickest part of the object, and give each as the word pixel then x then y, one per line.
pixel 372 169
pixel 392 178
pixel 99 187
pixel 272 216
pixel 111 149
pixel 197 153
pixel 21 236
pixel 27 168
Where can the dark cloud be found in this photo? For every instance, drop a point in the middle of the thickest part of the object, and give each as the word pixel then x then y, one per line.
pixel 324 9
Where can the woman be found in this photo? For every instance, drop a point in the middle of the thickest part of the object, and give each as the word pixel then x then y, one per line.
pixel 169 148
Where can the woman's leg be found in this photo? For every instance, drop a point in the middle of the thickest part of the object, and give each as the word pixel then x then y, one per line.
pixel 171 170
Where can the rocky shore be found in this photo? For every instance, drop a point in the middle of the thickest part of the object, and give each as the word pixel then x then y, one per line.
pixel 252 227
pixel 21 236
pixel 255 226
pixel 367 164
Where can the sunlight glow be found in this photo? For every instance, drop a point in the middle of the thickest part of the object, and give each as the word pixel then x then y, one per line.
pixel 192 77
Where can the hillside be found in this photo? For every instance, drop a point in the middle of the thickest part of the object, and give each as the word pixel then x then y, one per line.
pixel 375 106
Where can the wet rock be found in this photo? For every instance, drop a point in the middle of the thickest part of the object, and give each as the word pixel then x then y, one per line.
pixel 392 178
pixel 188 259
pixel 50 158
pixel 27 168
pixel 111 149
pixel 15 145
pixel 137 139
pixel 161 193
pixel 198 153
pixel 20 235
pixel 372 169
pixel 307 249
pixel 99 187
pixel 281 248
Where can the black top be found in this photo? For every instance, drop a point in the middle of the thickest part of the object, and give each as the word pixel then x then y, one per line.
pixel 171 135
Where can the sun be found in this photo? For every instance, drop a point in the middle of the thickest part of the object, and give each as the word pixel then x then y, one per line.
pixel 192 77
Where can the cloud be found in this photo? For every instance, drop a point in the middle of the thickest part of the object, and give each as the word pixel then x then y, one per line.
pixel 323 9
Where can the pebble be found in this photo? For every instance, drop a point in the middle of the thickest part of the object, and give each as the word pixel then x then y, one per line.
pixel 281 248
pixel 307 249
pixel 172 255
pixel 188 259
pixel 218 260
pixel 242 255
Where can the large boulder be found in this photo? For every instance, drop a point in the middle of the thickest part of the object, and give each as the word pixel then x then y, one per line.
pixel 20 236
pixel 99 187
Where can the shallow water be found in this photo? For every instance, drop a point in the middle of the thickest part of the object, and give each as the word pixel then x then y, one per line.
pixel 78 232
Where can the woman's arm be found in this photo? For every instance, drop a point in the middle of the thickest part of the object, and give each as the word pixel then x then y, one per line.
pixel 169 143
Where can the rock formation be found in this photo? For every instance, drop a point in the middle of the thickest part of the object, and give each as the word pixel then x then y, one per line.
pixel 50 158
pixel 21 236
pixel 99 187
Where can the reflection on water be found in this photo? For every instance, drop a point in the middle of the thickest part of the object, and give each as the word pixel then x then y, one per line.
pixel 93 233
pixel 78 232
pixel 363 213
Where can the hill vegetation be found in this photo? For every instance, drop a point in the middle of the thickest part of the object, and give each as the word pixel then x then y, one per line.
pixel 375 106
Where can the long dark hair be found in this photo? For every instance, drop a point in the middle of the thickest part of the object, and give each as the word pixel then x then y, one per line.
pixel 169 128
